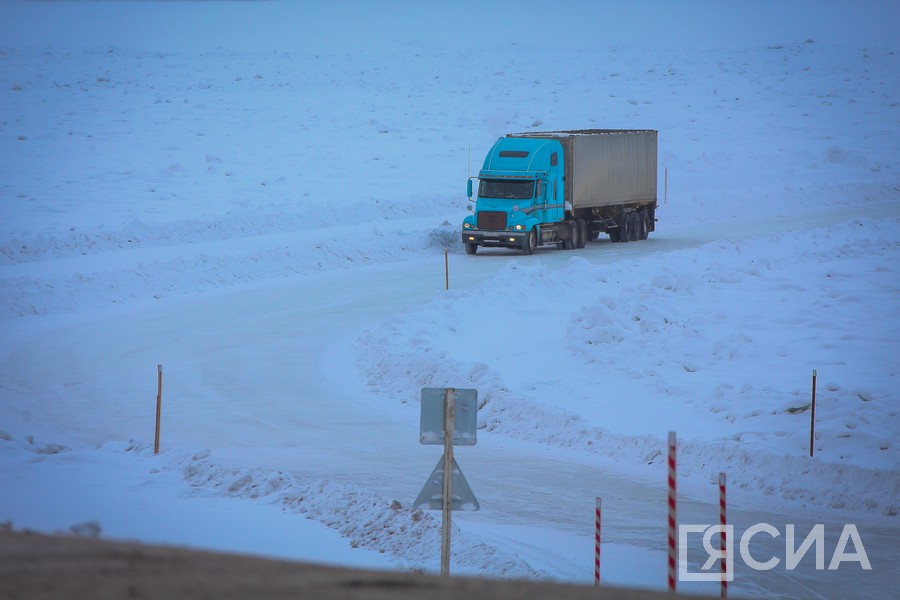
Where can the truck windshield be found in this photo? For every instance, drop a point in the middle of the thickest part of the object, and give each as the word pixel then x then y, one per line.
pixel 513 189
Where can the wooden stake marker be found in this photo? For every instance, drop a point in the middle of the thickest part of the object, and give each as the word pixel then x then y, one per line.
pixel 158 407
pixel 812 418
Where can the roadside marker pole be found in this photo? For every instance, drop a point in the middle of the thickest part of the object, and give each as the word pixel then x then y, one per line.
pixel 812 418
pixel 672 512
pixel 158 407
pixel 446 269
pixel 722 536
pixel 597 544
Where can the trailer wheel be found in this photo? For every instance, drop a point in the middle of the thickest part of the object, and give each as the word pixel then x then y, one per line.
pixel 614 235
pixel 622 221
pixel 530 243
pixel 633 227
pixel 643 225
pixel 629 226
pixel 471 248
pixel 582 232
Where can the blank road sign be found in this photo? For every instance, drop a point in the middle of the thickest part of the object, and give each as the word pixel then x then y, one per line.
pixel 465 417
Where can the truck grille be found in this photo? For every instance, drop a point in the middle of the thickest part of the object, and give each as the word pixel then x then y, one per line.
pixel 492 219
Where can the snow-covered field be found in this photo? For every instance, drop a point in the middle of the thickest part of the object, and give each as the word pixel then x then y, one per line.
pixel 265 215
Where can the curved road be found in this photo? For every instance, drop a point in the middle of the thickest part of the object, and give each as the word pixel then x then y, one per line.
pixel 536 502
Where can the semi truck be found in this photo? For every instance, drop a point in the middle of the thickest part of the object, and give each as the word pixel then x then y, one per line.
pixel 564 188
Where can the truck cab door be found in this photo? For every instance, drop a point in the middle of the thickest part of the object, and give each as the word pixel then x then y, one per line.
pixel 540 200
pixel 556 201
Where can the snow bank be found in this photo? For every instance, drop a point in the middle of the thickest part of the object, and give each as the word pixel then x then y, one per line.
pixel 402 534
pixel 608 360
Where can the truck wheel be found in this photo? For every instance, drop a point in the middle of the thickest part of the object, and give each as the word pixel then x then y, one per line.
pixel 623 227
pixel 576 235
pixel 530 243
pixel 643 225
pixel 569 244
pixel 633 225
pixel 582 232
pixel 471 248
pixel 614 235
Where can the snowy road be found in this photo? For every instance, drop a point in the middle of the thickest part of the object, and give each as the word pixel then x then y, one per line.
pixel 265 369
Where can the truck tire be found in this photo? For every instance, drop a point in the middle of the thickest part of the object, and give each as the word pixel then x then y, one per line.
pixel 581 225
pixel 530 243
pixel 569 244
pixel 471 248
pixel 633 226
pixel 643 225
pixel 614 235
pixel 622 220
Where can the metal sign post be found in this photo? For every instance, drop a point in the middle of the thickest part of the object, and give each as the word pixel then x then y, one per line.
pixel 448 418
pixel 447 485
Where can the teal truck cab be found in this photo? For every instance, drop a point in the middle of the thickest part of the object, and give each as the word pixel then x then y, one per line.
pixel 564 188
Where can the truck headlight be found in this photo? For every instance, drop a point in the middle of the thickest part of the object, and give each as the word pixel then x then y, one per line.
pixel 519 228
pixel 468 225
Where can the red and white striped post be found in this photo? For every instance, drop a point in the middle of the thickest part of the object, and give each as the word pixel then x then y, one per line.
pixel 597 544
pixel 722 536
pixel 673 520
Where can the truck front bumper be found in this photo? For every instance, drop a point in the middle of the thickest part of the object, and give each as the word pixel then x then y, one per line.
pixel 495 239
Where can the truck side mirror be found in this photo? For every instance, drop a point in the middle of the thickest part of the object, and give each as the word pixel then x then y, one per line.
pixel 469 188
